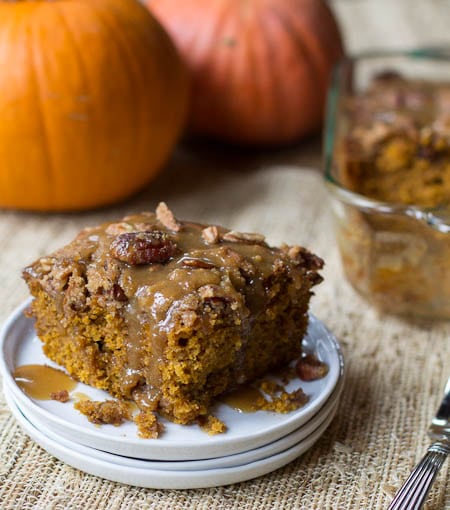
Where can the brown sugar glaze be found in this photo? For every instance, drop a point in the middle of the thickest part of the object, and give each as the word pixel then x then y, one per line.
pixel 244 399
pixel 155 288
pixel 78 396
pixel 39 381
pixel 134 322
pixel 151 290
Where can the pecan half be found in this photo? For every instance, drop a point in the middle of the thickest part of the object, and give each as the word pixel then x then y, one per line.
pixel 167 218
pixel 136 248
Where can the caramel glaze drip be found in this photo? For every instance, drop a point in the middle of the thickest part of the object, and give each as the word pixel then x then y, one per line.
pixel 157 291
pixel 244 399
pixel 148 295
pixel 79 396
pixel 39 381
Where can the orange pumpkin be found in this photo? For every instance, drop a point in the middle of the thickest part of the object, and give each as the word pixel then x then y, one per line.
pixel 260 67
pixel 93 95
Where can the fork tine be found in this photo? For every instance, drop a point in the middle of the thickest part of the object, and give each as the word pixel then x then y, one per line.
pixel 414 491
pixel 412 494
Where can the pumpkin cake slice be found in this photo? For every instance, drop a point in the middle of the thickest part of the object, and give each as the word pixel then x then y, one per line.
pixel 168 313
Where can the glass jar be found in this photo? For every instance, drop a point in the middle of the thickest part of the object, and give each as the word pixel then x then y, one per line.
pixel 381 146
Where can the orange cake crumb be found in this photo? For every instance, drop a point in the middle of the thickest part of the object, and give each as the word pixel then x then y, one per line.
pixel 211 425
pixel 112 412
pixel 280 400
pixel 148 425
pixel 60 396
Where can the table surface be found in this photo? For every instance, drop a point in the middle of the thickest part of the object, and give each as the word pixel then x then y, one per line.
pixel 395 370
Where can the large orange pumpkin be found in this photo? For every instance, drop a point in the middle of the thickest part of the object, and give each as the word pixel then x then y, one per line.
pixel 260 67
pixel 93 96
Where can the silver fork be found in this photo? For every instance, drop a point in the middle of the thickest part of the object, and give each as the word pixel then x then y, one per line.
pixel 414 491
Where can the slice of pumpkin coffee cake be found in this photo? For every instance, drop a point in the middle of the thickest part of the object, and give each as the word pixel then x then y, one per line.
pixel 171 313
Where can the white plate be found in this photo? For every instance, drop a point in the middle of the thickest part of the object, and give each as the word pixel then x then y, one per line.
pixel 19 345
pixel 80 457
pixel 237 459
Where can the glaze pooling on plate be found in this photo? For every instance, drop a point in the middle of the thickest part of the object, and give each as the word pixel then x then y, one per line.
pixel 267 450
pixel 81 458
pixel 246 431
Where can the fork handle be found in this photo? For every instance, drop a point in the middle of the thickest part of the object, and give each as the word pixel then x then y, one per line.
pixel 414 491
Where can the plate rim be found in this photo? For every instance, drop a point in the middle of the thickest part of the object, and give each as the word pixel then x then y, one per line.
pixel 263 451
pixel 177 479
pixel 170 450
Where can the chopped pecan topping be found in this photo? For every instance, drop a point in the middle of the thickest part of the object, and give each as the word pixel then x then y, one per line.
pixel 304 257
pixel 243 237
pixel 118 228
pixel 315 278
pixel 210 291
pixel 167 218
pixel 202 264
pixel 118 293
pixel 309 368
pixel 45 265
pixel 216 303
pixel 244 265
pixel 144 226
pixel 75 292
pixel 136 248
pixel 211 234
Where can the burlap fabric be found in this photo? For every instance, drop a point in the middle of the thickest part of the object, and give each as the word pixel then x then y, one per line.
pixel 396 371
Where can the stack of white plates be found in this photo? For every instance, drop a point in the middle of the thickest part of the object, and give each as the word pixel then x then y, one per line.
pixel 184 456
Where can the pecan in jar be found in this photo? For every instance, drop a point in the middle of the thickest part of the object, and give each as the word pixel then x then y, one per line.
pixel 138 248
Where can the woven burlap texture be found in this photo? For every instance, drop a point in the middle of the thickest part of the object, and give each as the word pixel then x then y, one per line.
pixel 395 371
